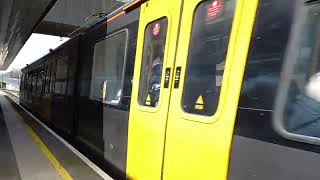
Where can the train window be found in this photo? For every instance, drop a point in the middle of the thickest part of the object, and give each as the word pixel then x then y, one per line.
pixel 53 75
pixel 208 47
pixel 21 83
pixel 30 81
pixel 152 63
pixel 34 83
pixel 39 83
pixel 27 82
pixel 48 78
pixel 109 68
pixel 43 89
pixel 60 87
pixel 266 54
pixel 25 85
pixel 298 102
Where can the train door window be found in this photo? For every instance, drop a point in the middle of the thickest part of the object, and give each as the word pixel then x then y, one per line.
pixel 61 79
pixel 109 68
pixel 297 114
pixel 152 63
pixel 208 47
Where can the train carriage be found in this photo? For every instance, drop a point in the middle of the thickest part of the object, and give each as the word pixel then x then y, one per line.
pixel 189 89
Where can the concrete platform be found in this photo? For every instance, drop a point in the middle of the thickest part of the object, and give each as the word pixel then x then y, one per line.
pixel 29 151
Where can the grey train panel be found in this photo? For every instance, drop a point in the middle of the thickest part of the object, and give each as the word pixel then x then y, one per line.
pixel 115 135
pixel 259 160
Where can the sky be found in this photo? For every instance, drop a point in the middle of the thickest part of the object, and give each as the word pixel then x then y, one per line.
pixel 37 46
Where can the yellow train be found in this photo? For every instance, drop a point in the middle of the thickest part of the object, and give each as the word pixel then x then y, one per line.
pixel 190 89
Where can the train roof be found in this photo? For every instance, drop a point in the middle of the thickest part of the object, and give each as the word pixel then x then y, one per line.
pixel 126 8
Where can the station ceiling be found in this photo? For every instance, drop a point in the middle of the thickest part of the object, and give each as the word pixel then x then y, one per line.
pixel 18 19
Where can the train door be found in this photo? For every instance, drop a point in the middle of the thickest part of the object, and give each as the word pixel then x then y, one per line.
pixel 157 37
pixel 209 67
pixel 61 119
pixel 182 129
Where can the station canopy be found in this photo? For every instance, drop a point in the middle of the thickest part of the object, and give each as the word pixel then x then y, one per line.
pixel 18 19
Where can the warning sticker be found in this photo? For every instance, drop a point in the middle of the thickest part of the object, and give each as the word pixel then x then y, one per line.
pixel 156 29
pixel 214 9
pixel 148 101
pixel 199 104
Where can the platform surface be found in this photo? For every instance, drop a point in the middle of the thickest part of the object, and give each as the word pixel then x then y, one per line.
pixel 29 152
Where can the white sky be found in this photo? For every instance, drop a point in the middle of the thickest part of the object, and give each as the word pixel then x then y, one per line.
pixel 37 46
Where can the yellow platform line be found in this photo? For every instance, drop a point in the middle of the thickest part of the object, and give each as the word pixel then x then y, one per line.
pixel 45 150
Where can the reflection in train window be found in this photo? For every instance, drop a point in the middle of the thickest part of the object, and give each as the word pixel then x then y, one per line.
pixel 266 54
pixel 211 29
pixel 108 68
pixel 60 87
pixel 152 63
pixel 301 107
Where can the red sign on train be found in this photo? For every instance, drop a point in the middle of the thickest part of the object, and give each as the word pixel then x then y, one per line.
pixel 214 9
pixel 156 29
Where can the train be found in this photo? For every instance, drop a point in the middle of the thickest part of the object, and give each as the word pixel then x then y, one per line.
pixel 188 89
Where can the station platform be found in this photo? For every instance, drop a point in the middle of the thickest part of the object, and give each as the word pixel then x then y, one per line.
pixel 31 151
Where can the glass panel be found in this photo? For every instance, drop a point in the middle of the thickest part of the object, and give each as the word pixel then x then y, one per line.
pixel 53 74
pixel 44 79
pixel 30 81
pixel 211 29
pixel 108 69
pixel 302 106
pixel 34 83
pixel 21 87
pixel 266 54
pixel 61 76
pixel 39 83
pixel 48 79
pixel 152 63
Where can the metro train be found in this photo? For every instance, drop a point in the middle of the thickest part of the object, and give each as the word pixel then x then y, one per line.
pixel 189 89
